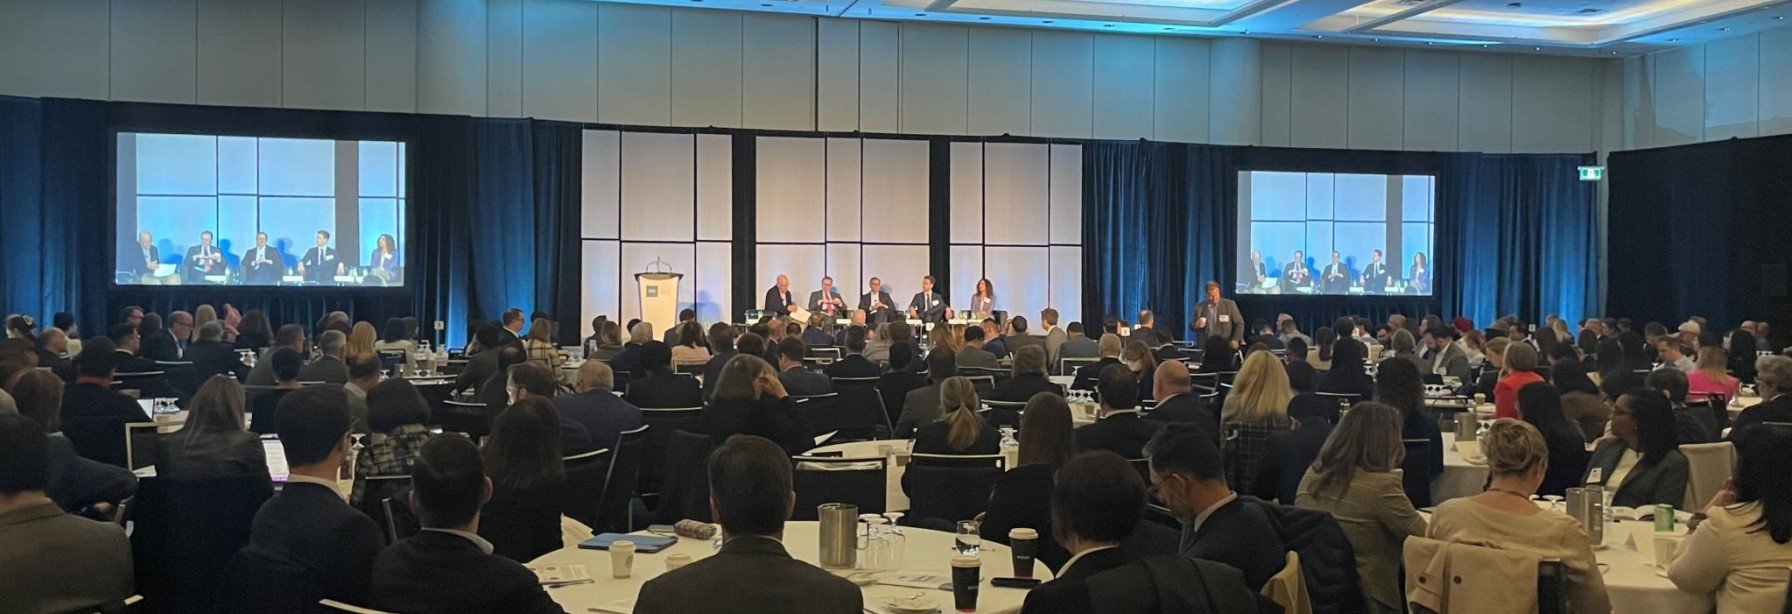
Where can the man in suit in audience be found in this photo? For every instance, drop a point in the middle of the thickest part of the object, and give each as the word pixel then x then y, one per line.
pixel 1442 356
pixel 1109 351
pixel 308 525
pixel 670 336
pixel 1054 336
pixel 816 333
pixel 1176 401
pixel 629 359
pixel 973 354
pixel 329 367
pixel 778 299
pixel 287 336
pixel 922 405
pixel 170 344
pixel 261 264
pixel 877 305
pixel 76 482
pixel 125 338
pixel 750 496
pixel 725 342
pixel 91 403
pixel 1296 274
pixel 148 257
pixel 447 565
pixel 1335 279
pixel 1146 331
pixel 1773 379
pixel 1217 316
pixel 927 305
pixel 854 363
pixel 1375 275
pixel 202 260
pixel 596 408
pixel 512 324
pixel 320 264
pixel 1120 428
pixel 1190 476
pixel 1019 336
pixel 658 387
pixel 51 561
pixel 827 301
pixel 798 379
pixel 212 356
pixel 993 341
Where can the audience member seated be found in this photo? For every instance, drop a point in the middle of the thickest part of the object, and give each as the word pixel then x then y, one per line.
pixel 1022 496
pixel 481 364
pixel 1541 406
pixel 214 442
pixel 657 385
pixel 1019 336
pixel 1672 354
pixel 595 409
pixel 922 405
pixel 168 344
pixel 540 344
pixel 93 404
pixel 1581 403
pixel 308 525
pixel 1397 383
pixel 1504 517
pixel 750 494
pixel 126 343
pixel 750 400
pixel 854 363
pixel 1217 355
pixel 522 457
pixel 1712 379
pixel 1354 479
pixel 212 356
pixel 727 344
pixel 1743 547
pixel 1773 379
pixel 1176 400
pixel 1138 359
pixel 497 392
pixel 1347 374
pixel 1119 428
pixel 284 365
pixel 398 417
pixel 1320 355
pixel 448 567
pixel 51 561
pixel 1288 455
pixel 77 484
pixel 692 346
pixel 797 377
pixel 330 366
pixel 993 341
pixel 1520 361
pixel 1029 377
pixel 1640 460
pixel 1690 425
pixel 960 430
pixel 628 359
pixel 1260 393
pixel 973 354
pixel 816 333
pixel 1190 478
pixel 1077 344
pixel 605 344
pixel 290 336
pixel 1109 351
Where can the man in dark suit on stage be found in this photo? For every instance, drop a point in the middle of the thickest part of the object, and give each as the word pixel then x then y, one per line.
pixel 778 299
pixel 261 264
pixel 320 263
pixel 1375 276
pixel 1296 275
pixel 1336 277
pixel 202 260
pixel 876 304
pixel 148 257
pixel 827 301
pixel 1217 316
pixel 927 304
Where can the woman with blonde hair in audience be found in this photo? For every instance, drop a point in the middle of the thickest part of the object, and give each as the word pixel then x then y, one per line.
pixel 960 429
pixel 1711 379
pixel 215 441
pixel 1743 546
pixel 953 339
pixel 361 339
pixel 1260 392
pixel 1354 479
pixel 1138 359
pixel 1022 496
pixel 693 346
pixel 1504 516
pixel 877 349
pixel 540 345
pixel 607 344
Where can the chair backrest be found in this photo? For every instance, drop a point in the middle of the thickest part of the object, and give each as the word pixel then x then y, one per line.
pixel 1014 406
pixel 614 509
pixel 338 606
pixel 585 475
pixel 1708 465
pixel 684 490
pixel 184 533
pixel 894 388
pixel 376 489
pixel 1068 366
pixel 140 442
pixel 696 369
pixel 100 438
pixel 859 397
pixel 181 375
pixel 401 522
pixel 1243 449
pixel 825 413
pixel 252 582
pixel 857 481
pixel 653 455
pixel 1344 399
pixel 985 384
pixel 464 417
pixel 950 487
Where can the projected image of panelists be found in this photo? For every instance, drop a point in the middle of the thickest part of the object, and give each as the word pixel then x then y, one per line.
pixel 259 211
pixel 1334 234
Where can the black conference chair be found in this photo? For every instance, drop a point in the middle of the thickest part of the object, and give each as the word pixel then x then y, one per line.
pixel 101 438
pixel 252 582
pixel 894 387
pixel 615 514
pixel 950 487
pixel 826 414
pixel 463 417
pixel 828 479
pixel 185 531
pixel 585 475
pixel 860 395
pixel 684 489
pixel 664 423
pixel 401 522
pixel 182 376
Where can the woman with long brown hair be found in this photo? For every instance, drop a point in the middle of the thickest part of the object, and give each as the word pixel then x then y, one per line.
pixel 1022 496
pixel 522 458
pixel 1354 480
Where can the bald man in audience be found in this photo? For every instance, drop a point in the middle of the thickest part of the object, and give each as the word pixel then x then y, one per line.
pixel 1176 401
pixel 1108 350
pixel 596 407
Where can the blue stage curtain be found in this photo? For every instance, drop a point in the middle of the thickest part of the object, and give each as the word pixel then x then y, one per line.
pixel 1527 234
pixel 557 155
pixel 1136 226
pixel 21 198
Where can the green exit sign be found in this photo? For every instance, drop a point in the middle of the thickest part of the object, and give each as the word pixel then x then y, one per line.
pixel 1592 173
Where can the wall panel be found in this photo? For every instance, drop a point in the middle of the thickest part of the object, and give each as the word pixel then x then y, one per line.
pixel 1377 101
pixel 634 64
pixel 1679 96
pixel 239 52
pixel 560 60
pixel 504 58
pixel 155 51
pixel 1001 81
pixel 706 68
pixel 778 78
pixel 451 57
pixel 1431 105
pixel 880 71
pixel 935 90
pixel 1485 122
pixel 1733 90
pixel 1320 93
pixel 1181 105
pixel 837 74
pixel 1124 83
pixel 392 55
pixel 1063 86
pixel 1552 105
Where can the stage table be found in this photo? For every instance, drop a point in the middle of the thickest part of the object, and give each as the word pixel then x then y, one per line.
pixel 926 552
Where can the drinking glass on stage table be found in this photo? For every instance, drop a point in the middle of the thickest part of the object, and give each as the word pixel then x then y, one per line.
pixel 969 540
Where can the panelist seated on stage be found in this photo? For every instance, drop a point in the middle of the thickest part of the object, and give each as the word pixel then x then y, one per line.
pixel 1296 275
pixel 147 256
pixel 778 299
pixel 1254 275
pixel 320 263
pixel 1375 276
pixel 1335 279
pixel 203 259
pixel 927 305
pixel 385 260
pixel 262 263
pixel 827 301
pixel 876 304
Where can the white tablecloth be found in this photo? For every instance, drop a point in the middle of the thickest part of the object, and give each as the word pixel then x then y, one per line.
pixel 928 552
pixel 894 499
pixel 1460 477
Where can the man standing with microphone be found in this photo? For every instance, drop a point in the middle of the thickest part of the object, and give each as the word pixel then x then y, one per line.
pixel 1217 316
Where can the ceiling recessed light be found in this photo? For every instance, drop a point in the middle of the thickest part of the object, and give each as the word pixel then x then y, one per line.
pixel 1107 25
pixel 1673 40
pixel 982 19
pixel 1779 17
pixel 1723 29
pixel 1168 29
pixel 920 14
pixel 1536 49
pixel 1046 21
pixel 1318 36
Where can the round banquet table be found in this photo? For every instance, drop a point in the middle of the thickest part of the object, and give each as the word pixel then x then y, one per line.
pixel 926 552
pixel 1460 478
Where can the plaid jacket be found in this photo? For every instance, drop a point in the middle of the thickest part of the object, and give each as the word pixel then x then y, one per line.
pixel 391 454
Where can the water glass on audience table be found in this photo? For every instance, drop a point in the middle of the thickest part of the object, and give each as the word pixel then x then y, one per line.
pixel 969 540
